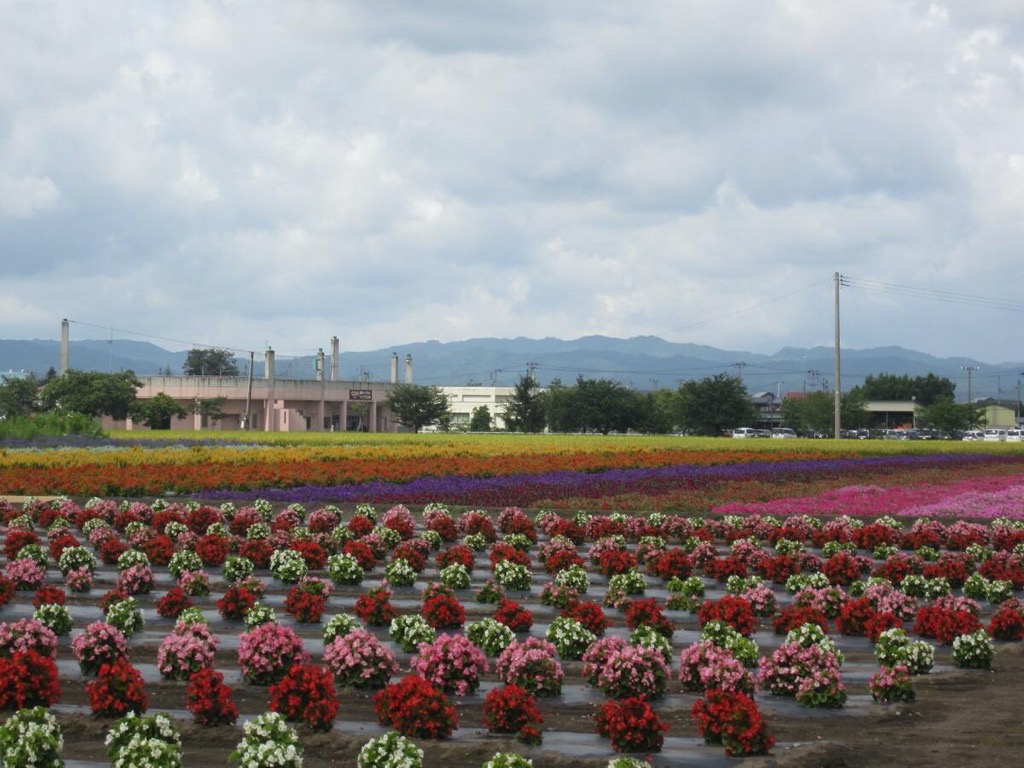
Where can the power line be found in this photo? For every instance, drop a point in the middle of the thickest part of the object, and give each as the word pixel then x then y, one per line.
pixel 931 294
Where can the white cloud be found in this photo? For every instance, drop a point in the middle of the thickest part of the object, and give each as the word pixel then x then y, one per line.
pixel 245 172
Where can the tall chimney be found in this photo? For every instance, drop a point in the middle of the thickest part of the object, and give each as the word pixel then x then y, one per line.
pixel 268 364
pixel 394 367
pixel 319 364
pixel 334 358
pixel 408 369
pixel 64 335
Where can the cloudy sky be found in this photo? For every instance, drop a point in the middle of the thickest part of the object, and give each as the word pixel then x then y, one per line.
pixel 242 173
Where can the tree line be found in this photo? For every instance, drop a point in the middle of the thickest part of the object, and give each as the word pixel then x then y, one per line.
pixel 709 406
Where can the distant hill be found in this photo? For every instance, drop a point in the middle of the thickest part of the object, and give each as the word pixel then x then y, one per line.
pixel 642 362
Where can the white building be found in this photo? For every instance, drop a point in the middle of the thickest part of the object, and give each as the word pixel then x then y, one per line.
pixel 465 400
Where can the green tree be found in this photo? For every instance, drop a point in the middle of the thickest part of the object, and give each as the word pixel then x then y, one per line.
pixel 19 396
pixel 210 409
pixel 601 405
pixel 714 404
pixel 524 411
pixel 157 411
pixel 657 412
pixel 949 416
pixel 92 393
pixel 925 390
pixel 416 406
pixel 210 362
pixel 816 412
pixel 480 420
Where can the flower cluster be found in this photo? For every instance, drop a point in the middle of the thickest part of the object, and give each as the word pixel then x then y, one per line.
pixel 209 699
pixel 569 637
pixel 268 740
pixel 27 635
pixel 894 648
pixel 392 750
pixel 415 708
pixel 117 690
pixel 731 718
pixel 306 694
pixel 267 652
pixel 974 650
pixel 31 738
pixel 443 611
pixel 532 665
pixel 150 740
pixel 891 684
pixel 28 679
pixel 375 608
pixel 99 644
pixel 451 662
pixel 705 666
pixel 810 674
pixel 187 649
pixel 513 615
pixel 307 600
pixel 126 615
pixel 358 660
pixel 510 709
pixel 633 671
pixel 490 635
pixel 411 630
pixel 631 725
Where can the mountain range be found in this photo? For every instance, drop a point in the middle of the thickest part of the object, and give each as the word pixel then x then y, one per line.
pixel 641 362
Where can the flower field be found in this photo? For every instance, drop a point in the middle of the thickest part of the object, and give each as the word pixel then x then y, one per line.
pixel 673 603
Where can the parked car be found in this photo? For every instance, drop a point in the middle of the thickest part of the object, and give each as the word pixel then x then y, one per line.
pixel 1015 435
pixel 783 433
pixel 744 432
pixel 763 432
pixel 995 435
pixel 973 434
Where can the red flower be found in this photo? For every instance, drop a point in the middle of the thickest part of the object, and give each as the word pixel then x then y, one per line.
pixel 117 690
pixel 306 694
pixel 444 612
pixel 236 601
pixel 631 724
pixel 732 718
pixel 509 709
pixel 173 603
pixel 28 679
pixel 514 616
pixel 375 607
pixel 209 700
pixel 734 611
pixel 415 708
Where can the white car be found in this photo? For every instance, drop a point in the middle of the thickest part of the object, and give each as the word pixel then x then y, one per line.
pixel 783 433
pixel 973 435
pixel 995 435
pixel 744 432
pixel 1015 435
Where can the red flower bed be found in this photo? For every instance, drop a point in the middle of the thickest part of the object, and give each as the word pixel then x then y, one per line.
pixel 647 611
pixel 213 549
pixel 416 709
pixel 209 700
pixel 173 603
pixel 117 690
pixel 514 616
pixel 1008 621
pixel 236 601
pixel 307 695
pixel 28 679
pixel 793 616
pixel 375 608
pixel 672 562
pixel 459 553
pixel 733 610
pixel 312 553
pixel 444 612
pixel 510 709
pixel 731 718
pixel 631 725
pixel 590 615
pixel 944 624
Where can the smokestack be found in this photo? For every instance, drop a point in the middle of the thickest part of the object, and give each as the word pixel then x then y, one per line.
pixel 268 364
pixel 64 335
pixel 320 364
pixel 408 369
pixel 394 367
pixel 334 358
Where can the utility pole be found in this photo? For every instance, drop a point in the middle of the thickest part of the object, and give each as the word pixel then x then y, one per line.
pixel 838 396
pixel 970 372
pixel 739 367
